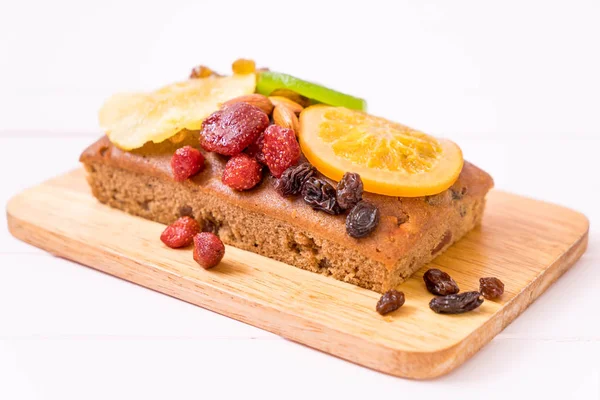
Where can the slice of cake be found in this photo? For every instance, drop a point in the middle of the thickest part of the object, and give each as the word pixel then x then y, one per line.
pixel 307 227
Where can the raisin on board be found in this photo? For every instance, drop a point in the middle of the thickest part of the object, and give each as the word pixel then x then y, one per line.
pixel 390 301
pixel 456 303
pixel 439 282
pixel 293 179
pixel 320 195
pixel 349 190
pixel 491 288
pixel 362 219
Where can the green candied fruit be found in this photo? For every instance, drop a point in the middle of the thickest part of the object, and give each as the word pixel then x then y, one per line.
pixel 269 81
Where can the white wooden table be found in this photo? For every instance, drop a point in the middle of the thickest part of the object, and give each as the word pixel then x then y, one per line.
pixel 522 102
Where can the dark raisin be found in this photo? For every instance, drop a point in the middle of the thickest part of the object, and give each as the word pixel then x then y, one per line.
pixel 320 195
pixel 446 238
pixel 186 211
pixel 349 190
pixel 440 283
pixel 491 288
pixel 390 301
pixel 362 219
pixel 293 179
pixel 458 194
pixel 456 303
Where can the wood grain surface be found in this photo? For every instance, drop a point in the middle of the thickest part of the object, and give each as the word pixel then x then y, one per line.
pixel 526 243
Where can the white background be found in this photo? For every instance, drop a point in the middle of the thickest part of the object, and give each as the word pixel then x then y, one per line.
pixel 515 83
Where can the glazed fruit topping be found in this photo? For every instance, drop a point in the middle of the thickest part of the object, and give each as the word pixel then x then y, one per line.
pixel 255 150
pixel 242 172
pixel 390 301
pixel 293 179
pixel 243 66
pixel 439 282
pixel 233 128
pixel 201 71
pixel 186 162
pixel 362 220
pixel 320 195
pixel 491 288
pixel 180 233
pixel 280 149
pixel 208 249
pixel 456 303
pixel 349 190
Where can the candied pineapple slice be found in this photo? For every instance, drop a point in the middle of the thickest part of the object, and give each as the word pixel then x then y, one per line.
pixel 132 119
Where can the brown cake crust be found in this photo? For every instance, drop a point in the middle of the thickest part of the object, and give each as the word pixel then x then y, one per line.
pixel 411 232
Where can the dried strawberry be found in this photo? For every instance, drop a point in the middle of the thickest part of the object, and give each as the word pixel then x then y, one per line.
pixel 242 172
pixel 230 130
pixel 180 233
pixel 186 162
pixel 208 249
pixel 281 149
pixel 256 149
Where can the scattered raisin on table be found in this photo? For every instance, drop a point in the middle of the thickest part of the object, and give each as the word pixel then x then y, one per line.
pixel 456 303
pixel 320 195
pixel 390 301
pixel 362 219
pixel 293 179
pixel 491 288
pixel 349 190
pixel 230 130
pixel 439 282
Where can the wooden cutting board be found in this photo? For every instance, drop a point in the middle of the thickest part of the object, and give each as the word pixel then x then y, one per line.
pixel 526 243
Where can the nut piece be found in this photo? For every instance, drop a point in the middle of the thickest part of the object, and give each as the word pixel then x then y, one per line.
pixel 243 66
pixel 286 118
pixel 284 101
pixel 290 94
pixel 257 100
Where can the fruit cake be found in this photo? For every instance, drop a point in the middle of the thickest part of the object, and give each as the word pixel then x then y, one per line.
pixel 234 164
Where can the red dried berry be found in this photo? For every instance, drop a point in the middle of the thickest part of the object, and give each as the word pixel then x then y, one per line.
pixel 186 162
pixel 242 172
pixel 230 130
pixel 208 249
pixel 255 150
pixel 180 233
pixel 281 149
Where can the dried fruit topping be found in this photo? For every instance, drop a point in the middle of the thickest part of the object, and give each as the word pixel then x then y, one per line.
pixel 390 301
pixel 243 66
pixel 281 149
pixel 491 288
pixel 208 249
pixel 201 71
pixel 242 172
pixel 180 233
pixel 286 118
pixel 293 179
pixel 320 195
pixel 257 100
pixel 132 119
pixel 256 149
pixel 362 219
pixel 186 162
pixel 349 190
pixel 440 283
pixel 232 129
pixel 456 303
pixel 284 101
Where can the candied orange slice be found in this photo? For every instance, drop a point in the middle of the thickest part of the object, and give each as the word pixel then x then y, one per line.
pixel 132 119
pixel 391 158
